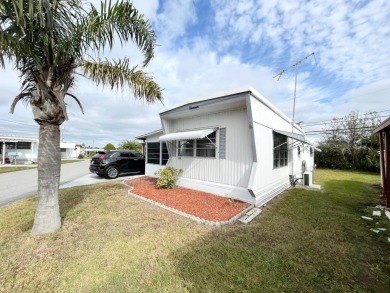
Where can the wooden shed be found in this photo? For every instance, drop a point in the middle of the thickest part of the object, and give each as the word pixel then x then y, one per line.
pixel 383 130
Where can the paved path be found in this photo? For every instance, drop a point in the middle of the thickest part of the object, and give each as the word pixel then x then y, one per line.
pixel 21 184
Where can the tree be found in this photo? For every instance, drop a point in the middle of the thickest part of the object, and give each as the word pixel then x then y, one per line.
pixel 348 143
pixel 109 147
pixel 49 42
pixel 130 145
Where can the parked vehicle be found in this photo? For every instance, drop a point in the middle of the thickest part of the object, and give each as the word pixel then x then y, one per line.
pixel 113 163
pixel 6 160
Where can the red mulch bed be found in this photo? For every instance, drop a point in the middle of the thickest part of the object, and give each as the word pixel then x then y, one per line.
pixel 200 204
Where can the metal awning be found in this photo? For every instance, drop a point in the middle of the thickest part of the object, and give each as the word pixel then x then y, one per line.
pixel 295 136
pixel 187 135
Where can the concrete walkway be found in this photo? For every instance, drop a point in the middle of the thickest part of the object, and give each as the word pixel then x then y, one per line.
pixel 22 184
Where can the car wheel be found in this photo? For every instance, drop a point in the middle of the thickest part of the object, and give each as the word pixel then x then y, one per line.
pixel 111 172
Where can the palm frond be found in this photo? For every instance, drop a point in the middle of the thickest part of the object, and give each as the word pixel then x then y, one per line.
pixel 120 19
pixel 118 74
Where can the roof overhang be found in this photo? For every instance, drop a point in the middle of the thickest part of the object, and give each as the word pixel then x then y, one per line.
pixel 384 125
pixel 187 135
pixel 145 136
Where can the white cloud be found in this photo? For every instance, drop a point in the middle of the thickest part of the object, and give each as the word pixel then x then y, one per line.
pixel 172 22
pixel 248 43
pixel 349 39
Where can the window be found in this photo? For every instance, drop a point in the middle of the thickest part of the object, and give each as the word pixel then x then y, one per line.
pixel 157 153
pixel 280 150
pixel 153 149
pixel 165 155
pixel 186 148
pixel 203 147
pixel 24 145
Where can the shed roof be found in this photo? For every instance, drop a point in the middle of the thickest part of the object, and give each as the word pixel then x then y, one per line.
pixel 384 125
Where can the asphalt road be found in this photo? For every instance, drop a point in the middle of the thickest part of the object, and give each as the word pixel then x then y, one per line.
pixel 22 184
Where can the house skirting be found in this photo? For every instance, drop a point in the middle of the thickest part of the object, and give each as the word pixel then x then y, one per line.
pixel 235 192
pixel 266 194
pixel 261 197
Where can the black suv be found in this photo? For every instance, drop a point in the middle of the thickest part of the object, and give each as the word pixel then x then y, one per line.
pixel 113 163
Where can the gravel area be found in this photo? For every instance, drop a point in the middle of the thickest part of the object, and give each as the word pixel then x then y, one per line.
pixel 203 205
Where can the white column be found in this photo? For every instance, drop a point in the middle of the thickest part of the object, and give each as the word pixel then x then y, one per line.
pixel 32 151
pixel 3 152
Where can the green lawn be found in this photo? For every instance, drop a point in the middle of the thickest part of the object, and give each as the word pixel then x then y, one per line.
pixel 304 241
pixel 7 169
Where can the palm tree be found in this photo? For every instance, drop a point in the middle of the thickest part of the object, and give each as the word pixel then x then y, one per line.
pixel 130 145
pixel 49 42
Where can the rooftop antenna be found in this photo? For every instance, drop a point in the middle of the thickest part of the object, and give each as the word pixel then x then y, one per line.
pixel 279 75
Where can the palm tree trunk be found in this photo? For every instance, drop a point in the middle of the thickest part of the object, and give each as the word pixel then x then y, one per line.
pixel 47 216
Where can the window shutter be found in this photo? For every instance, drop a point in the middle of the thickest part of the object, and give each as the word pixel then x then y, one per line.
pixel 222 143
pixel 173 145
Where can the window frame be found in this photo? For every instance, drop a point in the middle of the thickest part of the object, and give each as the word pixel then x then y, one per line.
pixel 280 150
pixel 156 159
pixel 163 155
pixel 211 152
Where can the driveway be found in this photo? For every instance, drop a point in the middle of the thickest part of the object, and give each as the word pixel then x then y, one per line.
pixel 22 184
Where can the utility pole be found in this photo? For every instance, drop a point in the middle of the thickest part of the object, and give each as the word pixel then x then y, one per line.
pixel 279 75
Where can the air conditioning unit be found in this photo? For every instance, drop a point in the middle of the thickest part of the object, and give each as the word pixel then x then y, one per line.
pixel 308 178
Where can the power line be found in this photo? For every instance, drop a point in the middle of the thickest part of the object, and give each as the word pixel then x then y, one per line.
pixel 328 121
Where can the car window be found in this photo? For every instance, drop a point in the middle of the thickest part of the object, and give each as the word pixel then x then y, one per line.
pixel 125 155
pixel 113 155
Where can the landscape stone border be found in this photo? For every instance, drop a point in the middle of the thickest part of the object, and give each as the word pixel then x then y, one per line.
pixel 189 216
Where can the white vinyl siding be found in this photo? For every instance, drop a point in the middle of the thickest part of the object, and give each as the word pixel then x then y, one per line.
pixel 234 159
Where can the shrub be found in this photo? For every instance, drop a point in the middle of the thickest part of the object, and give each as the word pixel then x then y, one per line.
pixel 81 156
pixel 167 177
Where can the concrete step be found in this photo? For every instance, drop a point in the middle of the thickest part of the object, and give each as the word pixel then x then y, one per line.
pixel 250 215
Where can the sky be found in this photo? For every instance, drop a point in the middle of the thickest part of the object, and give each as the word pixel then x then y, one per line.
pixel 206 47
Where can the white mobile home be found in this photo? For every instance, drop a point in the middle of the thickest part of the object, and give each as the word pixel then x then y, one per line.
pixel 24 149
pixel 237 145
pixel 70 150
pixel 18 148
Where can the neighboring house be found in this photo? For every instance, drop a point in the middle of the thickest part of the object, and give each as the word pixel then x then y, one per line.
pixel 383 130
pixel 24 149
pixel 89 151
pixel 237 145
pixel 19 148
pixel 70 150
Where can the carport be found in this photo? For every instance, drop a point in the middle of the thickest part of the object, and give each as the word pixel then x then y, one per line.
pixel 383 130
